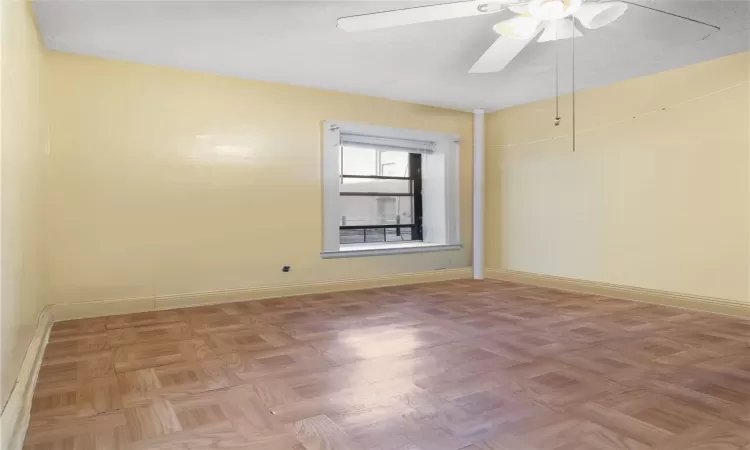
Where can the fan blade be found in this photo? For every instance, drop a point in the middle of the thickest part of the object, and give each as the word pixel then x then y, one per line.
pixel 661 27
pixel 710 29
pixel 420 14
pixel 519 27
pixel 500 54
pixel 597 15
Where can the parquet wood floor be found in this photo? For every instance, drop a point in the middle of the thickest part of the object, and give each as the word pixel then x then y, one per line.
pixel 460 365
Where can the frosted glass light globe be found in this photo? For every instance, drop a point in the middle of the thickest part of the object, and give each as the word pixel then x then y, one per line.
pixel 553 9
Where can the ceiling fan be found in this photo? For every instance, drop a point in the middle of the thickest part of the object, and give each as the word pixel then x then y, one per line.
pixel 553 19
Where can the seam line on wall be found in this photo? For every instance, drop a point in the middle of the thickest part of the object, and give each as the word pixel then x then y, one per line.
pixel 611 124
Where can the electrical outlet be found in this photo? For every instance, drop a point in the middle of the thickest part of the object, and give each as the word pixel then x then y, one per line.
pixel 286 268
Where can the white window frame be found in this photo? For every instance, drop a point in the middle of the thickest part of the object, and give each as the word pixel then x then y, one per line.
pixel 440 188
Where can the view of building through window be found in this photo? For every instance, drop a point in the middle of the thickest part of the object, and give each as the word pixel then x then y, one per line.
pixel 377 195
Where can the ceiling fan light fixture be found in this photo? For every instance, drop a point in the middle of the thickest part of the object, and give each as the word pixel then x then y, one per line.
pixel 559 29
pixel 519 27
pixel 553 9
pixel 597 15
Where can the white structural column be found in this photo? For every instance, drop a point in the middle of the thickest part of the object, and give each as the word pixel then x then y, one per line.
pixel 478 250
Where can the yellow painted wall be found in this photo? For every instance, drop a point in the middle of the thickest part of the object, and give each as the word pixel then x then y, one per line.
pixel 22 145
pixel 167 182
pixel 652 198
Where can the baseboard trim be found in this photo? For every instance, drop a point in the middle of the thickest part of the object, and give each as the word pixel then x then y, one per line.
pixel 66 311
pixel 693 302
pixel 14 420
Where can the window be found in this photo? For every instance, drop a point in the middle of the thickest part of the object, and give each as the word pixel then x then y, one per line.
pixel 380 195
pixel 388 190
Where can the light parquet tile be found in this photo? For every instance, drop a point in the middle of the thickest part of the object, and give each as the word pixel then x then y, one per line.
pixel 460 365
pixel 247 339
pixel 84 398
pixel 275 362
pixel 648 417
pixel 80 326
pixel 172 381
pixel 107 431
pixel 319 432
pixel 71 344
pixel 162 332
pixel 145 355
pixel 143 318
pixel 76 367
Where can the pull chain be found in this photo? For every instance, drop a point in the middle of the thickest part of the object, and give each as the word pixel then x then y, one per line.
pixel 557 79
pixel 573 19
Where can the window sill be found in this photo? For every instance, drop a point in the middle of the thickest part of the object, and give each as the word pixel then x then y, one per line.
pixel 377 249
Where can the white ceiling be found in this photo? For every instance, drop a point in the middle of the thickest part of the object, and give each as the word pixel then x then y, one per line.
pixel 299 43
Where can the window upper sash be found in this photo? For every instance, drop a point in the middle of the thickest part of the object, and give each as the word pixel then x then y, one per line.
pixel 407 145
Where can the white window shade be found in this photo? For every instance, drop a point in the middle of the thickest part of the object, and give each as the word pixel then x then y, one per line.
pixel 407 145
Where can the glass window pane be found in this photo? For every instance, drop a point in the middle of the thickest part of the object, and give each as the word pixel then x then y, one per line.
pixel 387 234
pixel 398 234
pixel 358 161
pixel 369 235
pixel 357 210
pixel 371 161
pixel 374 235
pixel 394 164
pixel 352 236
pixel 375 185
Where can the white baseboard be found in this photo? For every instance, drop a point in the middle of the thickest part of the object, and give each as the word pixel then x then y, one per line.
pixel 694 302
pixel 65 311
pixel 14 420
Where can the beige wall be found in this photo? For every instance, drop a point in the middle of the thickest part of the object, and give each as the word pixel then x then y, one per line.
pixel 163 182
pixel 167 182
pixel 22 145
pixel 652 198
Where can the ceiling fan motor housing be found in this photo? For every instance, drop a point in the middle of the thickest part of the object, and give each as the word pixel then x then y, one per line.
pixel 553 9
